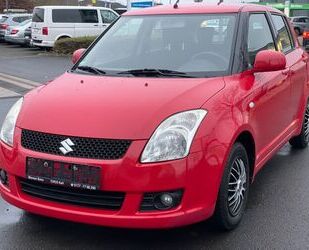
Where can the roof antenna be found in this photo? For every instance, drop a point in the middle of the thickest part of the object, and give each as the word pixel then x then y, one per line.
pixel 176 4
pixel 220 1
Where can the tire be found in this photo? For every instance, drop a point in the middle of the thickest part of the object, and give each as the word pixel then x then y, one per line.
pixel 234 189
pixel 297 31
pixel 301 141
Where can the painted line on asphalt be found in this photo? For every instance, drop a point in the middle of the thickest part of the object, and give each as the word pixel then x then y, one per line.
pixel 6 93
pixel 18 80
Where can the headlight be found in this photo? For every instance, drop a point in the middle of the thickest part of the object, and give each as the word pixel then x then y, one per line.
pixel 172 139
pixel 8 127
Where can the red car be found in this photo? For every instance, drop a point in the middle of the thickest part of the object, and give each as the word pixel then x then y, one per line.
pixel 163 122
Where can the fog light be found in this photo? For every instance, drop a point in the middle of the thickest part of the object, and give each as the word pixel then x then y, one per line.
pixel 3 177
pixel 167 200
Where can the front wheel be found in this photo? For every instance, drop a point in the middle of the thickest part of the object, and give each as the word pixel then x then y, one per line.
pixel 233 193
pixel 302 140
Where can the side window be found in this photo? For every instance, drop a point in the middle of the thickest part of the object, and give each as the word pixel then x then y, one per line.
pixel 259 36
pixel 306 20
pixel 66 16
pixel 284 41
pixel 108 16
pixel 89 16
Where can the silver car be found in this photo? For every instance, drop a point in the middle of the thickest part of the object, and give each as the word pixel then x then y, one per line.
pixel 16 34
pixel 11 20
pixel 300 23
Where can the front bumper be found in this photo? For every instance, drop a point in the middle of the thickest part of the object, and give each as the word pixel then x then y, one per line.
pixel 125 175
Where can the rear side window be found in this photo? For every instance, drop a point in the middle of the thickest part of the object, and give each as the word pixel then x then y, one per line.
pixel 108 16
pixel 74 16
pixel 38 15
pixel 259 36
pixel 284 41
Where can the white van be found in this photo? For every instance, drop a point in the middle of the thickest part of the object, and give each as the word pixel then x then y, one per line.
pixel 51 23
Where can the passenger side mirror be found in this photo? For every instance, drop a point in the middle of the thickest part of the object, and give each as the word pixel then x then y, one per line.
pixel 77 55
pixel 269 60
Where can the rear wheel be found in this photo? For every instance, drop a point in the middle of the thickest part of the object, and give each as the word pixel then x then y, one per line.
pixel 233 193
pixel 302 140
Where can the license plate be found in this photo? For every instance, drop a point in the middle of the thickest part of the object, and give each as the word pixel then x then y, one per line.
pixel 35 31
pixel 63 174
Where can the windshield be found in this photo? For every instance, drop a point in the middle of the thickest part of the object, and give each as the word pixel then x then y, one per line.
pixel 192 45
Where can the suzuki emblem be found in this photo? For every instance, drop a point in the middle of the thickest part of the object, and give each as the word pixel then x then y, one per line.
pixel 66 146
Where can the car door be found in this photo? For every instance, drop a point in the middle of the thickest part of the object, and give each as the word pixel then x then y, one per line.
pixel 88 24
pixel 270 101
pixel 296 61
pixel 107 18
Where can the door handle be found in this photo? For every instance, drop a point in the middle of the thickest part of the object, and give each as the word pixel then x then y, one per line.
pixel 96 25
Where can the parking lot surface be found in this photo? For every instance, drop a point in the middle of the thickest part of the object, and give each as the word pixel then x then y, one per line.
pixel 277 215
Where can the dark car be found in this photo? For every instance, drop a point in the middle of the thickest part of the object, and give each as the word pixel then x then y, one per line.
pixel 306 39
pixel 27 35
pixel 300 23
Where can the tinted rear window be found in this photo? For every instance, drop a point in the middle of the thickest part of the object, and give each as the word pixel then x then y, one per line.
pixel 75 16
pixel 38 15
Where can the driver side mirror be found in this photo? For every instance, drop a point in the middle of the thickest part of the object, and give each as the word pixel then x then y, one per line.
pixel 269 60
pixel 77 55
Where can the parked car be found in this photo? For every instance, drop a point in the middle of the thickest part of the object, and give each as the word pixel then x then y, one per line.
pixel 164 121
pixel 11 20
pixel 28 40
pixel 300 23
pixel 51 23
pixel 16 34
pixel 306 39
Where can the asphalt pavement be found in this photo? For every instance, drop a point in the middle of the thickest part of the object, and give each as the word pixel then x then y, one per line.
pixel 277 215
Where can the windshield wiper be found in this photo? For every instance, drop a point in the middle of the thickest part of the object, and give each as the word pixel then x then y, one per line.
pixel 156 72
pixel 92 70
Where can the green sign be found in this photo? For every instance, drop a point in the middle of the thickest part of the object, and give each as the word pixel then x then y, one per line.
pixel 293 6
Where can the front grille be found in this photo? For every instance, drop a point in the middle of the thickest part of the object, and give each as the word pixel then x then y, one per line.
pixel 90 148
pixel 80 197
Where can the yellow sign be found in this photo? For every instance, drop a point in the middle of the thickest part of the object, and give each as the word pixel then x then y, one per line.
pixel 94 1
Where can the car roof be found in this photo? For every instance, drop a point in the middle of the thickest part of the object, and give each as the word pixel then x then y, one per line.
pixel 15 15
pixel 69 7
pixel 200 8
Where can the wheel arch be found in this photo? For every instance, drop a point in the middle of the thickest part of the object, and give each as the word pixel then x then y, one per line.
pixel 62 36
pixel 247 140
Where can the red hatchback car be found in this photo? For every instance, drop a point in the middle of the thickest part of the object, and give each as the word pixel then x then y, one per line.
pixel 164 121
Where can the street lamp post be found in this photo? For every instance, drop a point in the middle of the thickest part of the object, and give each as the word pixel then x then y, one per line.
pixel 7 5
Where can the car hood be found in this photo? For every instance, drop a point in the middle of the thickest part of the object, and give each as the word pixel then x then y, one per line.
pixel 111 107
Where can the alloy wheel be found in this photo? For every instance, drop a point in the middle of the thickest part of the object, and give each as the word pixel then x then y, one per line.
pixel 237 186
